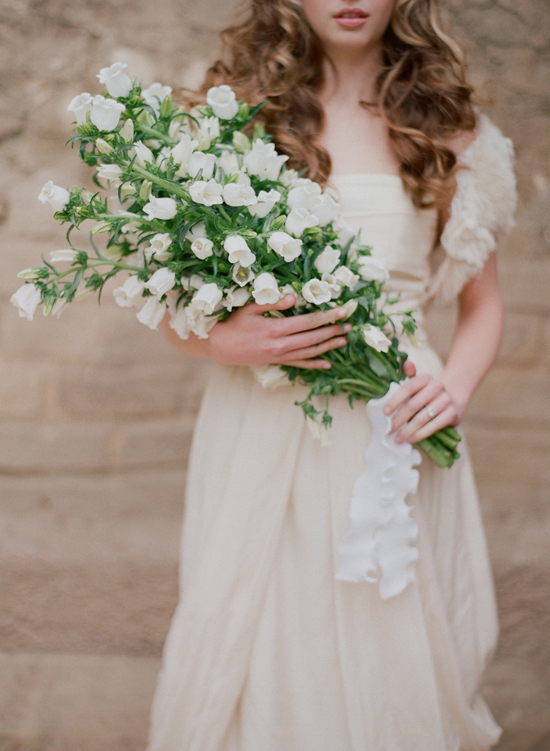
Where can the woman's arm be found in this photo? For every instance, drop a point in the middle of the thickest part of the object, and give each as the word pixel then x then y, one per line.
pixel 248 337
pixel 474 347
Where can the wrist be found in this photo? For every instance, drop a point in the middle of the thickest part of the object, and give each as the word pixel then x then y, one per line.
pixel 458 393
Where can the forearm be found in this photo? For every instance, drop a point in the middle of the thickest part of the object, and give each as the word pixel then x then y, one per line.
pixel 476 340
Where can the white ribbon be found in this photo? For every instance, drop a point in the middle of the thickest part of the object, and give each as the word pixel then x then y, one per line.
pixel 379 546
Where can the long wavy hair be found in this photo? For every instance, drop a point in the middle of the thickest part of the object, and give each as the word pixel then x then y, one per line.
pixel 273 55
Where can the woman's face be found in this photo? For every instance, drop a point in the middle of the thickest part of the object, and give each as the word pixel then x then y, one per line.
pixel 357 24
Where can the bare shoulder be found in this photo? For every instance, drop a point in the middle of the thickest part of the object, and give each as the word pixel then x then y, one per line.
pixel 460 141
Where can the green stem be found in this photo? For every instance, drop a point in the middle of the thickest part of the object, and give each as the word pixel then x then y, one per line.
pixel 165 184
pixel 93 264
pixel 156 134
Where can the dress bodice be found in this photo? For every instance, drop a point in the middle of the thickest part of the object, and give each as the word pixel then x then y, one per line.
pixel 400 235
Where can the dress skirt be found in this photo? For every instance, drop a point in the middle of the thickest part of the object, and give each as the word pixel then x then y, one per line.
pixel 267 651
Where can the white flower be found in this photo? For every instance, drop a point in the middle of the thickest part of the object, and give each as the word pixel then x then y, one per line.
pixel 270 376
pixel 152 313
pixel 266 289
pixel 288 289
pixel 200 324
pixel 285 246
pixel 81 105
pixel 238 250
pixel 263 160
pixel 346 277
pixel 55 196
pixel 102 146
pixel 229 163
pixel 155 95
pixel 163 156
pixel 63 256
pixel 242 274
pixel 142 153
pixel 372 269
pixel 207 298
pixel 289 177
pixel 200 161
pixel 266 201
pixel 304 195
pixel 325 209
pixel 202 247
pixel 180 321
pixel 223 101
pixel 162 280
pixel 209 129
pixel 351 307
pixel 316 291
pixel 159 247
pixel 319 430
pixel 105 113
pixel 110 172
pixel 236 297
pixel 326 262
pixel 235 194
pixel 127 131
pixel 335 287
pixel 298 220
pixel 116 81
pixel 181 153
pixel 198 232
pixel 130 292
pixel 241 142
pixel 206 193
pixel 26 300
pixel 160 208
pixel 376 338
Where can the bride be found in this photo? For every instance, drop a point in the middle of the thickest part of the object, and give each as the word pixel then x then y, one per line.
pixel 267 650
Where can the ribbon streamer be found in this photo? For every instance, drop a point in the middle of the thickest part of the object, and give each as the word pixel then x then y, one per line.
pixel 380 544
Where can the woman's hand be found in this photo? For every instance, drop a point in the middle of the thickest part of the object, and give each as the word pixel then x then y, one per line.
pixel 411 403
pixel 248 337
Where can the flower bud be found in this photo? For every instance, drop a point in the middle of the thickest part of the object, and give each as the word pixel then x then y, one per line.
pixel 127 189
pixel 244 110
pixel 36 272
pixel 103 226
pixel 145 190
pixel 259 131
pixel 351 307
pixel 127 131
pixel 241 142
pixel 167 106
pixel 103 147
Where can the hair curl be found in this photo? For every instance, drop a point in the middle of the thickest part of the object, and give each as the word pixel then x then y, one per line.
pixel 273 55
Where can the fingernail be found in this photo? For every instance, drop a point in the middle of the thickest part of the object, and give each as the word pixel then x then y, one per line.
pixel 342 313
pixel 327 366
pixel 347 327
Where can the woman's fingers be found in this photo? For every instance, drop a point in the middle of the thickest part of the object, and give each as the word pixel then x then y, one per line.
pixel 313 337
pixel 405 392
pixel 313 364
pixel 446 417
pixel 422 417
pixel 307 321
pixel 257 310
pixel 415 403
pixel 315 351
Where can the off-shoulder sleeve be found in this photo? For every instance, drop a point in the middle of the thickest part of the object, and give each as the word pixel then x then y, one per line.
pixel 482 210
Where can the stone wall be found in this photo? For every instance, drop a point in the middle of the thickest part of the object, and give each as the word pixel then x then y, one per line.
pixel 97 411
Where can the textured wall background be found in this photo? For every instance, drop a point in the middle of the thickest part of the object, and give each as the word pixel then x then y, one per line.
pixel 97 411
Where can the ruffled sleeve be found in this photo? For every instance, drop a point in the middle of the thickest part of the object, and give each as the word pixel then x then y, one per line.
pixel 482 210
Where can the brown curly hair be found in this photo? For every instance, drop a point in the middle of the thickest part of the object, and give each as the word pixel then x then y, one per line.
pixel 273 55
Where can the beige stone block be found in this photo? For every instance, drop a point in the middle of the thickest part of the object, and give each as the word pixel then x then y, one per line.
pixel 525 285
pixel 522 339
pixel 33 447
pixel 23 389
pixel 513 394
pixel 155 443
pixel 119 607
pixel 510 453
pixel 159 493
pixel 139 391
pixel 76 702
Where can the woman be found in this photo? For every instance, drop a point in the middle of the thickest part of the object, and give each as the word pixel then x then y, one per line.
pixel 267 651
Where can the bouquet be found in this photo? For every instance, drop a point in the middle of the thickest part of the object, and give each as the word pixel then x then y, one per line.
pixel 201 213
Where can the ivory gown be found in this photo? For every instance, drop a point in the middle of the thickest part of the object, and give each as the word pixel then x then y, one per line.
pixel 267 651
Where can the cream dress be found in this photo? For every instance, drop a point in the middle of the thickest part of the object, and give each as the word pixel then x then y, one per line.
pixel 267 651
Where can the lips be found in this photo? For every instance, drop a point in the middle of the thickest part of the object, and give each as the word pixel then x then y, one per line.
pixel 351 18
pixel 351 13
